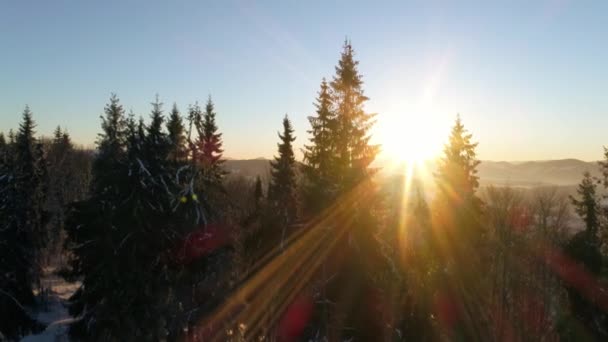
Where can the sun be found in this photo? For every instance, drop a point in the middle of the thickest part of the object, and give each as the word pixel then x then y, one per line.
pixel 412 139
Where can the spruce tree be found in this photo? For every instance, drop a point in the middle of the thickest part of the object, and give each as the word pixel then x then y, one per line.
pixel 354 152
pixel 587 207
pixel 109 162
pixel 456 173
pixel 4 153
pixel 319 155
pixel 177 139
pixel 31 186
pixel 62 180
pixel 195 119
pixel 257 194
pixel 457 215
pixel 282 189
pixel 156 143
pixel 210 147
pixel 123 241
pixel 584 250
pixel 344 131
pixel 94 237
pixel 22 219
pixel 2 145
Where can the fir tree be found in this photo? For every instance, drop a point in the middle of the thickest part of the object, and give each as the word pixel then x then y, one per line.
pixel 108 164
pixel 282 189
pixel 93 235
pixel 61 186
pixel 177 139
pixel 22 218
pixel 156 143
pixel 584 249
pixel 257 194
pixel 457 170
pixel 318 156
pixel 30 177
pixel 195 119
pixel 4 153
pixel 587 207
pixel 457 214
pixel 354 153
pixel 351 192
pixel 210 146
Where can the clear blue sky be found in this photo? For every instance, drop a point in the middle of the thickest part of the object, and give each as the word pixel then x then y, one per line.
pixel 530 78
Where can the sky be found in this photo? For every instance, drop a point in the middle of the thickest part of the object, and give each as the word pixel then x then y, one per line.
pixel 529 78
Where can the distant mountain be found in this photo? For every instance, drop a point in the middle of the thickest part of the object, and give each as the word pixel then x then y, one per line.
pixel 249 168
pixel 533 173
pixel 560 172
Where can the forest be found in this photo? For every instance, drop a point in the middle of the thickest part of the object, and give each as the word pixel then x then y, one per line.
pixel 162 243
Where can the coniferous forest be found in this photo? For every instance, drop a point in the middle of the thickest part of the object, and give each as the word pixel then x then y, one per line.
pixel 160 242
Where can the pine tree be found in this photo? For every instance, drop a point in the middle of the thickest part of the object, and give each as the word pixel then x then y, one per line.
pixel 457 215
pixel 175 127
pixel 94 237
pixel 62 186
pixel 354 153
pixel 2 142
pixel 457 170
pixel 30 177
pixel 210 147
pixel 156 143
pixel 122 241
pixel 282 189
pixel 258 194
pixel 457 204
pixel 587 207
pixel 195 119
pixel 22 219
pixel 584 249
pixel 4 153
pixel 318 156
pixel 351 193
pixel 109 162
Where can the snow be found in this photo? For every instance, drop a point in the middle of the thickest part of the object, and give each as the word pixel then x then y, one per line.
pixel 53 313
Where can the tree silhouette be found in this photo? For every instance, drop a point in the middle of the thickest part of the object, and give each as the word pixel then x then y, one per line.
pixel 354 153
pixel 22 219
pixel 282 189
pixel 319 155
pixel 177 139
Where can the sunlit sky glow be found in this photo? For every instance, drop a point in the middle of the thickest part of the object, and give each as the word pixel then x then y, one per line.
pixel 529 78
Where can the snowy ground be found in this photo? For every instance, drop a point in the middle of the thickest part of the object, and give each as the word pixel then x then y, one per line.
pixel 54 314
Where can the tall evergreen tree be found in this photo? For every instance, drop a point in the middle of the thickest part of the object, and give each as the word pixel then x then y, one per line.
pixel 109 161
pixel 456 174
pixel 31 182
pixel 156 143
pixel 4 153
pixel 93 233
pixel 258 194
pixel 351 193
pixel 123 241
pixel 177 139
pixel 354 152
pixel 584 250
pixel 587 207
pixel 195 119
pixel 457 214
pixel 22 218
pixel 210 146
pixel 319 155
pixel 282 189
pixel 62 178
